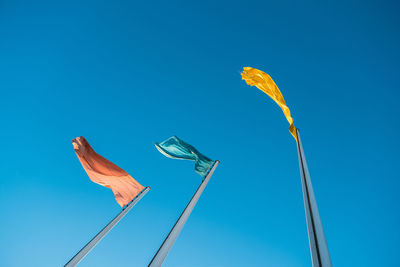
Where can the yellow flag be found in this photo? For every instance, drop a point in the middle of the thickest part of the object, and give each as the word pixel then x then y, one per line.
pixel 265 83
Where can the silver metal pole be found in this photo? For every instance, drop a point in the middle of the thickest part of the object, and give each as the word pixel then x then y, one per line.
pixel 172 236
pixel 89 246
pixel 318 246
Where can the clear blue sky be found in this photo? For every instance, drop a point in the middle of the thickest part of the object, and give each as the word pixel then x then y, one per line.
pixel 126 74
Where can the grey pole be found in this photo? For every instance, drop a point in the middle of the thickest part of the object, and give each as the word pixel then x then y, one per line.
pixel 89 246
pixel 172 236
pixel 318 246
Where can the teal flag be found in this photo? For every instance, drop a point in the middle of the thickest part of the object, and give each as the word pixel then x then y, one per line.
pixel 176 148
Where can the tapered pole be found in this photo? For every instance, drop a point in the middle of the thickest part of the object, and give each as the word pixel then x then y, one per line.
pixel 318 246
pixel 174 233
pixel 89 246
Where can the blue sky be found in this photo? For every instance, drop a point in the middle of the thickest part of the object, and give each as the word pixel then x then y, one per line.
pixel 126 74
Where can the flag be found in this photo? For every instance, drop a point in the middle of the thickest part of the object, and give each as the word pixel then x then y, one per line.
pixel 176 148
pixel 265 83
pixel 106 173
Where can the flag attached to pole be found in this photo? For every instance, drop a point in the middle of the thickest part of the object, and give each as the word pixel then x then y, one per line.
pixel 176 148
pixel 318 246
pixel 265 83
pixel 106 173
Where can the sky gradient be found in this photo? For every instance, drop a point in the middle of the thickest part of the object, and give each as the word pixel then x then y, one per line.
pixel 126 74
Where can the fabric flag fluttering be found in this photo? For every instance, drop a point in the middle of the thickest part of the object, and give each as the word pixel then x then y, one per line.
pixel 265 83
pixel 176 148
pixel 104 172
pixel 127 190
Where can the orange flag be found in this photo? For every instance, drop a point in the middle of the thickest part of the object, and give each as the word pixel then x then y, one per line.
pixel 106 173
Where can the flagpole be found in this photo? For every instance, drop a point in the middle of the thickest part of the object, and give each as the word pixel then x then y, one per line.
pixel 318 246
pixel 89 246
pixel 162 252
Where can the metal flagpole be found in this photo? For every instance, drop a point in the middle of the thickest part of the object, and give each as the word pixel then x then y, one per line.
pixel 162 252
pixel 318 246
pixel 89 246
